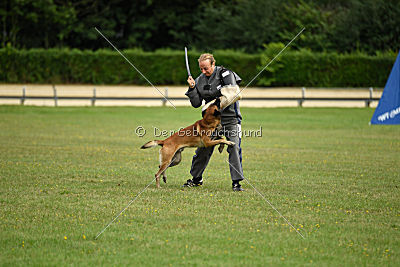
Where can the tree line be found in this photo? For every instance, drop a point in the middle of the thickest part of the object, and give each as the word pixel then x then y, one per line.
pixel 343 26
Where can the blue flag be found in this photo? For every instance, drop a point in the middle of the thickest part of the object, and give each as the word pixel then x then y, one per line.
pixel 388 109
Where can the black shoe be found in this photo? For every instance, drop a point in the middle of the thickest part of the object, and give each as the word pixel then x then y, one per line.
pixel 193 183
pixel 237 187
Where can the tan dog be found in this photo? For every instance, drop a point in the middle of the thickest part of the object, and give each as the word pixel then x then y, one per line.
pixel 198 134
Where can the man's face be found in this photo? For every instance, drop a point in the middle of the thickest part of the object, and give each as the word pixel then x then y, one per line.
pixel 206 67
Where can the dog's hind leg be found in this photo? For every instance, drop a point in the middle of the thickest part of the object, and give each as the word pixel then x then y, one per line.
pixel 176 159
pixel 166 155
pixel 164 177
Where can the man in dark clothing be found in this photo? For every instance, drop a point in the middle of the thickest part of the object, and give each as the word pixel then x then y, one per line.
pixel 207 87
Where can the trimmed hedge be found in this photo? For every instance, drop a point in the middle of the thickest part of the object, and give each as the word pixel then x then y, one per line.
pixel 299 68
pixel 333 70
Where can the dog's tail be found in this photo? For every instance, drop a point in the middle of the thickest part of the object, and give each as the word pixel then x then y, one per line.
pixel 153 144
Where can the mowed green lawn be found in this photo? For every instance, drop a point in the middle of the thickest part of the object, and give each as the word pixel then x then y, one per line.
pixel 66 172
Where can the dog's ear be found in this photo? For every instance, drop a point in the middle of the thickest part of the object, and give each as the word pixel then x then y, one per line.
pixel 217 113
pixel 217 102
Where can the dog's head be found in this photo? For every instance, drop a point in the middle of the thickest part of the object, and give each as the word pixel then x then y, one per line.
pixel 217 102
pixel 214 109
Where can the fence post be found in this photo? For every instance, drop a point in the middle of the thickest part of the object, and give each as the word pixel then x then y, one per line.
pixel 303 96
pixel 368 102
pixel 164 100
pixel 55 96
pixel 23 96
pixel 94 97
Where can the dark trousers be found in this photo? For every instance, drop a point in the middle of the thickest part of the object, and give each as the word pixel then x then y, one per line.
pixel 203 154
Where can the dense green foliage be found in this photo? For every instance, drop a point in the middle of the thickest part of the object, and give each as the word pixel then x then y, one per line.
pixel 292 68
pixel 66 172
pixel 306 68
pixel 331 25
pixel 108 67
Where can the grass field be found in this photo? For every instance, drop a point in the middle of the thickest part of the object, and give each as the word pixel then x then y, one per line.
pixel 66 172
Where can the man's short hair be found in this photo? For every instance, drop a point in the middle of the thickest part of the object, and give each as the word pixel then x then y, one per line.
pixel 206 56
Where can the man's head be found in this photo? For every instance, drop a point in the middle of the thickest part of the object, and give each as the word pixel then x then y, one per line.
pixel 207 64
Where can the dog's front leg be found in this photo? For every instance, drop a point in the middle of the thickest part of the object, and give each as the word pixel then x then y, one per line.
pixel 221 148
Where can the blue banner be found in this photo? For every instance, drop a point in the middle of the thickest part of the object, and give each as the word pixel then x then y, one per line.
pixel 388 109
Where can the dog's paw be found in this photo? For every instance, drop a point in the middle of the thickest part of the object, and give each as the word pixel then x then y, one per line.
pixel 229 143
